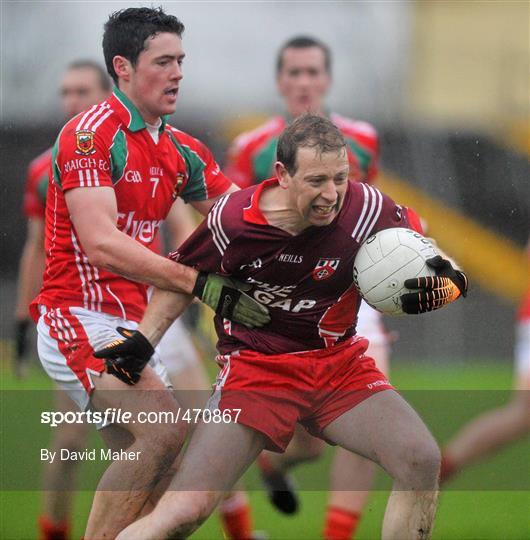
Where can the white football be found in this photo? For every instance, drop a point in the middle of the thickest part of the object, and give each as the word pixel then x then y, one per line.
pixel 385 260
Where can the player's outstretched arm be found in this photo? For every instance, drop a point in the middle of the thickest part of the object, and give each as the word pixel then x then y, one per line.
pixel 433 292
pixel 125 358
pixel 94 215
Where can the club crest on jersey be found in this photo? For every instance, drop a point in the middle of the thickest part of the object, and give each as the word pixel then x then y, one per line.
pixel 325 268
pixel 84 142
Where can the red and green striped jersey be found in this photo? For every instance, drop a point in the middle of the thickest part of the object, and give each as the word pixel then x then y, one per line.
pixel 109 145
pixel 252 155
pixel 34 204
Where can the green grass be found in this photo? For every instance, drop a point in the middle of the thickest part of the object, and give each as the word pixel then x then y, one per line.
pixel 488 501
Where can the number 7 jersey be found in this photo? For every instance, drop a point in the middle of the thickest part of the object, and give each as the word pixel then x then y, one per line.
pixel 109 145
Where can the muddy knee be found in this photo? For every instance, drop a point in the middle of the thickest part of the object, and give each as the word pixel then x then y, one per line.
pixel 419 465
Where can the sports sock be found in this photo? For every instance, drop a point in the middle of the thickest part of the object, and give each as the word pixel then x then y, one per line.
pixel 265 465
pixel 447 469
pixel 236 518
pixel 340 523
pixel 53 531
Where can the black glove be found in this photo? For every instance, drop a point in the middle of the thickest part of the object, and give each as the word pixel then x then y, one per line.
pixel 21 346
pixel 436 291
pixel 126 358
pixel 228 299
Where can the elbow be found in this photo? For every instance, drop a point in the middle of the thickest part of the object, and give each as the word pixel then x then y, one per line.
pixel 98 255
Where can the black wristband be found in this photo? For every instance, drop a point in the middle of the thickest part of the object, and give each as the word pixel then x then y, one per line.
pixel 198 288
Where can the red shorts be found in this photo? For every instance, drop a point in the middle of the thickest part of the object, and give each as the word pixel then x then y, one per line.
pixel 274 392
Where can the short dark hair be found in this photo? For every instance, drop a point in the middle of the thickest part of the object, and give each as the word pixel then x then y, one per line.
pixel 304 42
pixel 308 131
pixel 104 79
pixel 127 30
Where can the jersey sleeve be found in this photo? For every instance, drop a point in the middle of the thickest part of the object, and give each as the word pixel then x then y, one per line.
pixel 395 215
pixel 81 158
pixel 34 204
pixel 205 179
pixel 238 166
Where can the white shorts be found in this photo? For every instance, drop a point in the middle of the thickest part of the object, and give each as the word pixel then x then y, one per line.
pixel 370 325
pixel 522 348
pixel 177 350
pixel 67 338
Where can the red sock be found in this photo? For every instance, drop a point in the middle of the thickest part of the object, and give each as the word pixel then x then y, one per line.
pixel 447 469
pixel 264 464
pixel 236 517
pixel 53 531
pixel 340 523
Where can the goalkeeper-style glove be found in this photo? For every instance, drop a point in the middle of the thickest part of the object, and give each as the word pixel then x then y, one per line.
pixel 434 292
pixel 126 358
pixel 228 299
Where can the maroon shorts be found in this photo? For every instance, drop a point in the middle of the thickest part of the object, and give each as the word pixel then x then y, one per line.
pixel 274 392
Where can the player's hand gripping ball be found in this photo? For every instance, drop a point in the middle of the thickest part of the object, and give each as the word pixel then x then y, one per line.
pixel 436 291
pixel 400 271
pixel 126 358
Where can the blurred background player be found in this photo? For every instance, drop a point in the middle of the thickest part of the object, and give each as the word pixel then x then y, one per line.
pixel 303 76
pixel 84 84
pixel 491 431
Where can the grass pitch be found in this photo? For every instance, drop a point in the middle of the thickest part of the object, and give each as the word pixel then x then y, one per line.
pixel 490 500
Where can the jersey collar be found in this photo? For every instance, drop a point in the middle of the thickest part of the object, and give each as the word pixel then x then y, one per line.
pixel 252 213
pixel 128 113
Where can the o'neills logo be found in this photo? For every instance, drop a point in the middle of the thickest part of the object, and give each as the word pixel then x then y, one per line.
pixel 84 142
pixel 325 268
pixel 289 258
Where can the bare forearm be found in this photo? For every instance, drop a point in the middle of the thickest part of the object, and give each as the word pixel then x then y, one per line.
pixel 164 307
pixel 122 255
pixel 29 277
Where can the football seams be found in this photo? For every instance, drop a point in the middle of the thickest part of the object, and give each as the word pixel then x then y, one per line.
pixel 385 261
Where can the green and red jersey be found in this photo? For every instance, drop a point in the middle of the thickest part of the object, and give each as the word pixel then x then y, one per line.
pixel 34 204
pixel 109 145
pixel 252 155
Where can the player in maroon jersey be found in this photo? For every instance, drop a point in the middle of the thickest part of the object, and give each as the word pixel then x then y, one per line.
pixel 84 83
pixel 303 79
pixel 293 241
pixel 116 170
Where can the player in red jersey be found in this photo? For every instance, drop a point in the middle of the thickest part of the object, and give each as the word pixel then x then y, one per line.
pixel 116 170
pixel 307 366
pixel 303 76
pixel 84 83
pixel 495 429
